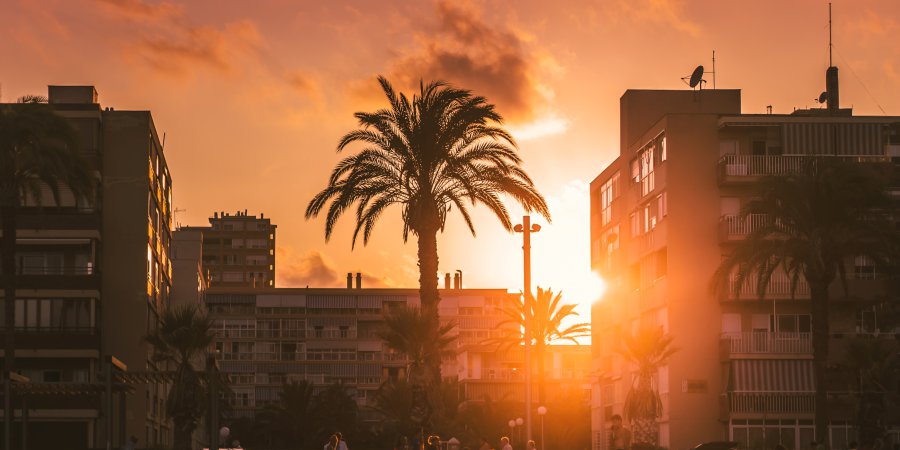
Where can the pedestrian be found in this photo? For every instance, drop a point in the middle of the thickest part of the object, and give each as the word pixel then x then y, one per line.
pixel 332 443
pixel 131 444
pixel 484 444
pixel 530 445
pixel 504 443
pixel 341 443
pixel 619 436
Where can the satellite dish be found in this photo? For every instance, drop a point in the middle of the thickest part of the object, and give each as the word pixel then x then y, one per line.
pixel 696 77
pixel 823 97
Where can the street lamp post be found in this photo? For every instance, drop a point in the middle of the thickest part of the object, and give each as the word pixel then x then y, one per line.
pixel 526 228
pixel 512 427
pixel 542 410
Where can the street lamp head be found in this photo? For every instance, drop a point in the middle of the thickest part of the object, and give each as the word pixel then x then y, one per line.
pixel 542 410
pixel 520 421
pixel 511 423
pixel 518 228
pixel 535 228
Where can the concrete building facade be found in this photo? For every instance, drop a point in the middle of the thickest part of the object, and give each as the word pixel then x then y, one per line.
pixel 265 338
pixel 93 277
pixel 664 214
pixel 238 250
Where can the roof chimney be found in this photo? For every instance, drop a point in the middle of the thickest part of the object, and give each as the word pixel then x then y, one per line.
pixel 447 280
pixel 349 280
pixel 358 280
pixel 459 272
pixel 832 88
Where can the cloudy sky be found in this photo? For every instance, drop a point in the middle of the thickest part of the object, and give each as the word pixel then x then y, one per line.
pixel 253 96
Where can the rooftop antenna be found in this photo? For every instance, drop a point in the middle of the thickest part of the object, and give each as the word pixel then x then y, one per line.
pixel 695 79
pixel 714 69
pixel 830 64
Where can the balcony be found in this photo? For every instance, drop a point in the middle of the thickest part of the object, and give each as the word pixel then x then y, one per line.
pixel 59 338
pixel 50 218
pixel 733 227
pixel 772 402
pixel 762 342
pixel 736 169
pixel 349 333
pixel 780 287
pixel 77 277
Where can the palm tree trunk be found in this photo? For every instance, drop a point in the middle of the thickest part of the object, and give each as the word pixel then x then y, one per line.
pixel 8 246
pixel 819 299
pixel 430 298
pixel 428 269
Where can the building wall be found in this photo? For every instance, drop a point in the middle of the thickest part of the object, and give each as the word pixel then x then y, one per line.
pixel 133 297
pixel 699 129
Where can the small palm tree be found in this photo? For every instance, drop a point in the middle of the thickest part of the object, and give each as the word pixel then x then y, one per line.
pixel 647 351
pixel 410 331
pixel 547 316
pixel 877 367
pixel 38 149
pixel 290 418
pixel 816 220
pixel 183 338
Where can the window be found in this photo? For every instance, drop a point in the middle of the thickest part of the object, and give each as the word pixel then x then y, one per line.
pixel 864 268
pixel 662 207
pixel 53 314
pixel 790 323
pixel 608 192
pixel 635 220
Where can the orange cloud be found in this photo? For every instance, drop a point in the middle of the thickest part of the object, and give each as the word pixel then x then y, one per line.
pixel 179 51
pixel 313 270
pixel 142 10
pixel 491 60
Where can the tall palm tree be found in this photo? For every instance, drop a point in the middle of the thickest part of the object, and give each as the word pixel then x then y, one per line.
pixel 410 331
pixel 648 351
pixel 547 316
pixel 443 148
pixel 183 338
pixel 816 220
pixel 38 149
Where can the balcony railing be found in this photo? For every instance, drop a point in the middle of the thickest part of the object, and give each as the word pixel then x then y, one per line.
pixel 349 333
pixel 763 165
pixel 769 342
pixel 780 286
pixel 772 402
pixel 737 227
pixel 63 270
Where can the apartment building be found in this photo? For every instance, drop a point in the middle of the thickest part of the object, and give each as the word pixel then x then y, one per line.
pixel 268 337
pixel 92 277
pixel 189 278
pixel 664 214
pixel 238 250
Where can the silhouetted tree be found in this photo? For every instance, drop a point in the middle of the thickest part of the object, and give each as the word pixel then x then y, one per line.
pixel 547 316
pixel 410 331
pixel 876 366
pixel 334 409
pixel 38 150
pixel 815 221
pixel 289 420
pixel 647 351
pixel 444 148
pixel 183 338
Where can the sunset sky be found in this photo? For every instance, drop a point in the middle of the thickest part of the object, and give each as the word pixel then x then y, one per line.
pixel 253 97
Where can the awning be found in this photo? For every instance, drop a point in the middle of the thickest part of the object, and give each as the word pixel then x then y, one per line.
pixel 772 375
